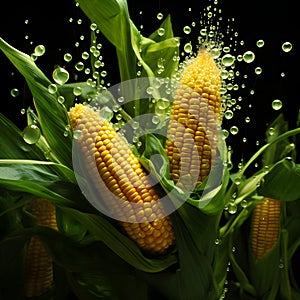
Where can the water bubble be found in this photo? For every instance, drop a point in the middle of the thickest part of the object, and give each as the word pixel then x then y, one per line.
pixel 287 47
pixel 103 73
pixel 260 43
pixel 77 134
pixel 244 203
pixel 39 50
pixel 228 60
pixel 248 56
pixel 14 92
pixel 276 104
pixel 79 66
pixel 228 114
pixel 161 31
pixel 247 119
pixel 187 29
pixel 234 130
pixel 188 48
pixel 67 57
pixel 215 53
pixel 160 16
pixel 77 91
pixel 232 208
pixel 60 75
pixel 155 119
pixel 85 55
pixel 106 113
pixel 52 88
pixel 218 241
pixel 23 111
pixel 93 26
pixel 61 99
pixel 258 70
pixel 31 134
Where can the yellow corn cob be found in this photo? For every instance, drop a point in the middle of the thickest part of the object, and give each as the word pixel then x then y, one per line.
pixel 192 133
pixel 265 222
pixel 107 153
pixel 38 263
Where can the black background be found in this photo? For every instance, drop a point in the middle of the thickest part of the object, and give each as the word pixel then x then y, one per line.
pixel 273 21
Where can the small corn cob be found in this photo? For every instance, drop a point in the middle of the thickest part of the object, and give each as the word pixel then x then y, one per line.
pixel 265 222
pixel 38 263
pixel 107 153
pixel 192 132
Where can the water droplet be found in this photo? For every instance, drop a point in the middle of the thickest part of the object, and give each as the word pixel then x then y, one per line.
pixel 103 73
pixel 60 75
pixel 258 70
pixel 77 134
pixel 67 57
pixel 276 104
pixel 161 31
pixel 106 113
pixel 93 26
pixel 188 48
pixel 155 119
pixel 52 88
pixel 234 130
pixel 14 92
pixel 228 114
pixel 77 91
pixel 61 99
pixel 244 203
pixel 160 16
pixel 31 134
pixel 85 55
pixel 247 119
pixel 187 29
pixel 260 43
pixel 39 50
pixel 287 47
pixel 228 60
pixel 79 66
pixel 248 57
pixel 218 241
pixel 232 208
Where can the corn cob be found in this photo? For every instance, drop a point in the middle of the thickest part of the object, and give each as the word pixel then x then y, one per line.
pixel 38 263
pixel 107 153
pixel 191 143
pixel 265 222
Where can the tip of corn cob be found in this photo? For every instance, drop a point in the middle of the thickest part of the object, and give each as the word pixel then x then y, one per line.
pixel 195 118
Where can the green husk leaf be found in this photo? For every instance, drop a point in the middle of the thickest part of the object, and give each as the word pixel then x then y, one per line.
pixel 52 115
pixel 102 230
pixel 282 182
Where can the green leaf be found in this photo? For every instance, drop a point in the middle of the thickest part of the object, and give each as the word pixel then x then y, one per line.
pixel 103 230
pixel 282 182
pixel 52 115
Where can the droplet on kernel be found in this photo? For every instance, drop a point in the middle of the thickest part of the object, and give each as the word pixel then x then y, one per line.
pixel 60 75
pixel 31 134
pixel 77 134
pixel 287 47
pixel 276 104
pixel 39 50
pixel 248 57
